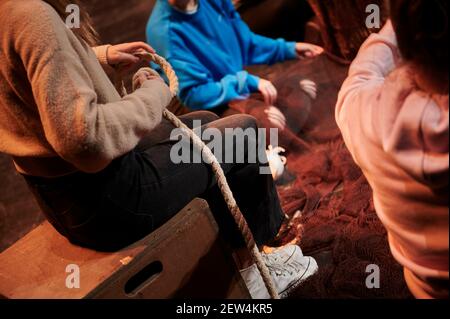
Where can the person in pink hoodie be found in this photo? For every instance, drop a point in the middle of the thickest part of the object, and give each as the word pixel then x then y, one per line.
pixel 393 114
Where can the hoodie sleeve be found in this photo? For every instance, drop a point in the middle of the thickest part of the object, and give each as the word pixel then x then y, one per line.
pixel 259 49
pixel 199 90
pixel 377 57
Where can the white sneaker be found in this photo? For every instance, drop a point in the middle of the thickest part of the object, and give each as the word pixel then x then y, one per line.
pixel 254 283
pixel 290 275
pixel 276 161
pixel 288 268
pixel 283 254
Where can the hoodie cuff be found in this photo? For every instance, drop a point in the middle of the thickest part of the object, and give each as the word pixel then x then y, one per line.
pixel 290 51
pixel 102 53
pixel 253 82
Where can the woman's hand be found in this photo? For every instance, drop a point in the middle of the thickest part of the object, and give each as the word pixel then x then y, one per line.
pixel 268 91
pixel 275 117
pixel 145 74
pixel 122 57
pixel 307 50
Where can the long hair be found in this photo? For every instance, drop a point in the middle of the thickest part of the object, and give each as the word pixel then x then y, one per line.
pixel 422 31
pixel 86 31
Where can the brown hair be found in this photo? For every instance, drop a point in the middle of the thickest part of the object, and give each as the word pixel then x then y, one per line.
pixel 86 31
pixel 422 33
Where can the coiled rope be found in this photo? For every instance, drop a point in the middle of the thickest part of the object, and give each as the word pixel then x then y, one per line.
pixel 219 173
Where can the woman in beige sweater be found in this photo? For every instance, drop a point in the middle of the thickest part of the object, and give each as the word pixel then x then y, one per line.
pixel 98 163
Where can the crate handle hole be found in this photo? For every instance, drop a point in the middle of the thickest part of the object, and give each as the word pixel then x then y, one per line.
pixel 143 278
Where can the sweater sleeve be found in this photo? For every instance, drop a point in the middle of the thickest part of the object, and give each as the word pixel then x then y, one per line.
pixel 377 57
pixel 198 89
pixel 259 49
pixel 81 130
pixel 102 54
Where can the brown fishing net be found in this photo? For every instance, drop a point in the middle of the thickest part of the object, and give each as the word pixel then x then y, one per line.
pixel 329 204
pixel 343 24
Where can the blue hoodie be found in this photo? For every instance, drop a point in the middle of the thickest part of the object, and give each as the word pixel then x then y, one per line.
pixel 208 50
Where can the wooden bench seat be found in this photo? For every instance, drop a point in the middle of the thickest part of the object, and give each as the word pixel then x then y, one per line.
pixel 183 259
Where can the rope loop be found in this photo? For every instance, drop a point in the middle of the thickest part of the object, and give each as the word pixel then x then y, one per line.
pixel 218 171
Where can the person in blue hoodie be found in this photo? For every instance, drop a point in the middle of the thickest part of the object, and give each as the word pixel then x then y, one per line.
pixel 208 46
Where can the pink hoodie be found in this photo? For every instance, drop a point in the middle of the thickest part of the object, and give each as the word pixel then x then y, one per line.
pixel 398 135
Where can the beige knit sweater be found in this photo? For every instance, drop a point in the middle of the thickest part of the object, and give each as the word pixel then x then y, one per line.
pixel 59 112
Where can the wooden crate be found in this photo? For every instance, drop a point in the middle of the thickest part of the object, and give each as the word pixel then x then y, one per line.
pixel 183 259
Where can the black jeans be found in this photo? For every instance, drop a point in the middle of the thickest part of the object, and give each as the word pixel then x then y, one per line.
pixel 140 191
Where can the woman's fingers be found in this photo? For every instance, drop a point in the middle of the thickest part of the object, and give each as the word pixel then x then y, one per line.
pixel 318 49
pixel 135 46
pixel 280 117
pixel 268 91
pixel 308 50
pixel 144 75
pixel 280 121
pixel 277 122
pixel 276 117
pixel 313 49
pixel 128 59
pixel 267 96
pixel 124 53
pixel 262 87
pixel 139 80
pixel 273 93
pixel 309 87
pixel 270 95
pixel 264 94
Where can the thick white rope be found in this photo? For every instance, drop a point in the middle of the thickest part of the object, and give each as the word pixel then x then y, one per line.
pixel 219 173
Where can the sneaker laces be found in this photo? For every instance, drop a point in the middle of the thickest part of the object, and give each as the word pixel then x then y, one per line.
pixel 270 258
pixel 284 270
